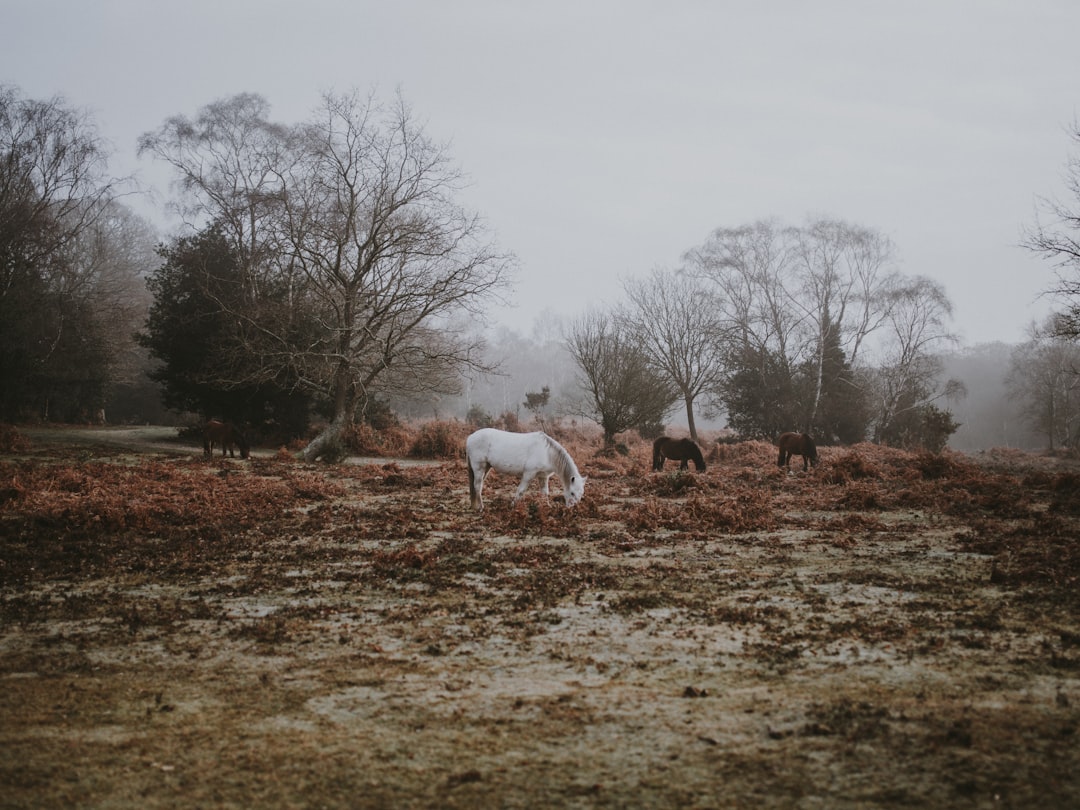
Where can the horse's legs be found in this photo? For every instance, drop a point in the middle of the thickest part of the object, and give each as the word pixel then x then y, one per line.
pixel 474 498
pixel 476 486
pixel 780 461
pixel 526 479
pixel 207 447
pixel 547 479
pixel 480 478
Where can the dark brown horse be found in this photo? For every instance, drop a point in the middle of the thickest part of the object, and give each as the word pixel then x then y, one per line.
pixel 683 450
pixel 226 435
pixel 796 444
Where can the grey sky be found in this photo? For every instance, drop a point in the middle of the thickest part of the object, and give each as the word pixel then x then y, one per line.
pixel 604 139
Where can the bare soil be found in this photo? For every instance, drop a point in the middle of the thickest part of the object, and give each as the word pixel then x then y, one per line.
pixel 889 630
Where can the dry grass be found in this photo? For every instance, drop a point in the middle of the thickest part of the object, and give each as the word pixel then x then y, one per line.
pixel 891 629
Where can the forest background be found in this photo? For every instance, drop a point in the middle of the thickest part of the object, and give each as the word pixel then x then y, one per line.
pixel 95 330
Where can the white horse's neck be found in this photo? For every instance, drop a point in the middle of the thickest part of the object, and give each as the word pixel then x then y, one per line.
pixel 564 465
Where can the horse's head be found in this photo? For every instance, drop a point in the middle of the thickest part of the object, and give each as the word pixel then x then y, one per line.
pixel 575 491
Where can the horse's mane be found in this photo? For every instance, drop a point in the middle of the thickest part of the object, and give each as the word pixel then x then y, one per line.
pixel 563 463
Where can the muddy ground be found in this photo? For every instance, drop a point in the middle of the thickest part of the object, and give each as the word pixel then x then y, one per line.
pixel 889 630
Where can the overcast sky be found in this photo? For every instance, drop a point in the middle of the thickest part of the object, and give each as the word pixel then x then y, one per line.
pixel 604 139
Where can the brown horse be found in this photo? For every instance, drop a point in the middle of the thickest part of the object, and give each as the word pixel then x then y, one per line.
pixel 683 450
pixel 226 435
pixel 796 444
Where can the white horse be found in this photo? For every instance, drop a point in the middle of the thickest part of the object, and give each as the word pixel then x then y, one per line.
pixel 524 454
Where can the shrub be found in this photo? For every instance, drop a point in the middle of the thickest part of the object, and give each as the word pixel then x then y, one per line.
pixel 510 422
pixel 438 440
pixel 362 439
pixel 851 467
pixel 378 415
pixel 933 466
pixel 652 429
pixel 477 417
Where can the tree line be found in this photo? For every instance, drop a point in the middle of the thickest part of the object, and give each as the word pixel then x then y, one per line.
pixel 71 255
pixel 779 327
pixel 327 268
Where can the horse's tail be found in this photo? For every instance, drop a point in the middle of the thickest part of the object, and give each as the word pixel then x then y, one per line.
pixel 657 455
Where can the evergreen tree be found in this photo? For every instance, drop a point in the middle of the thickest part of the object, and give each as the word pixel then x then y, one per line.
pixel 204 359
pixel 759 394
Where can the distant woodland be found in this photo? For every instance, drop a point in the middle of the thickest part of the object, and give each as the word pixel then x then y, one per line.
pixel 329 279
pixel 988 415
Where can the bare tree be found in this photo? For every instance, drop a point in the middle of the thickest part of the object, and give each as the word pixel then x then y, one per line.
pixel 232 166
pixel 800 303
pixel 1058 240
pixel 748 266
pixel 53 179
pixel 839 280
pixel 104 266
pixel 56 252
pixel 357 220
pixel 1044 378
pixel 917 328
pixel 680 328
pixel 621 389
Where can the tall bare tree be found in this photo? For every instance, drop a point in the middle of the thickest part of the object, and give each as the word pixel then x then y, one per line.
pixel 1058 240
pixel 232 165
pixel 680 327
pixel 621 388
pixel 357 216
pixel 840 277
pixel 749 267
pixel 54 180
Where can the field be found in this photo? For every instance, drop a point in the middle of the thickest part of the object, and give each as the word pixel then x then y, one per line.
pixel 891 629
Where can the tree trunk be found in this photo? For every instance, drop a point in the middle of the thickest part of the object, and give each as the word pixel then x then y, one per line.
pixel 329 442
pixel 690 417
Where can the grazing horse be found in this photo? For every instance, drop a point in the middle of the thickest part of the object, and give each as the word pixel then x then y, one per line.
pixel 225 435
pixel 683 450
pixel 524 454
pixel 796 444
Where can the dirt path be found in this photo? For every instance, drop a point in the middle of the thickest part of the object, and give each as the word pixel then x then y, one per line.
pixel 143 440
